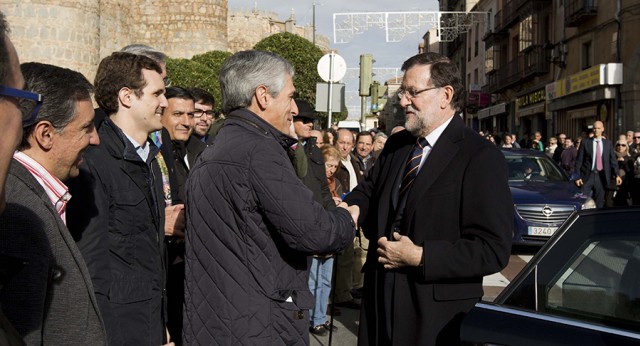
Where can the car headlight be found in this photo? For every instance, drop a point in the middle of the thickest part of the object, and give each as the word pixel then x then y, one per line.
pixel 589 203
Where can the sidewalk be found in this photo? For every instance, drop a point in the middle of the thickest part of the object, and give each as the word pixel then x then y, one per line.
pixel 347 332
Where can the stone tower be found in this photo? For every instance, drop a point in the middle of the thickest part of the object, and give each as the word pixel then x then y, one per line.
pixel 77 34
pixel 180 28
pixel 66 34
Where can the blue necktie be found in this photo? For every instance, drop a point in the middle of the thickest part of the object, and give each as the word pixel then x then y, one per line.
pixel 411 169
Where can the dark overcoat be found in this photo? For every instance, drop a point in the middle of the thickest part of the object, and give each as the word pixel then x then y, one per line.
pixel 459 210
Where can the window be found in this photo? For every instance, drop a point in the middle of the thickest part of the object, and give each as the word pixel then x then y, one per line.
pixel 475 76
pixel 488 60
pixel 469 46
pixel 526 33
pixel 602 283
pixel 587 55
pixel 477 39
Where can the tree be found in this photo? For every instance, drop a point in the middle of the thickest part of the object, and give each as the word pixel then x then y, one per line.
pixel 304 57
pixel 214 60
pixel 189 74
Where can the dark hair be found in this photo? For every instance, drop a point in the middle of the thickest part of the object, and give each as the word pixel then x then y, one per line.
pixel 61 89
pixel 202 96
pixel 364 133
pixel 121 70
pixel 443 72
pixel 178 92
pixel 4 50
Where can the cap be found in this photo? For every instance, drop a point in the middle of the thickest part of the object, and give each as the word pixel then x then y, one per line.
pixel 304 110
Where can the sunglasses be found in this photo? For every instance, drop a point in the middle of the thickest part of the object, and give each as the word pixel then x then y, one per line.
pixel 28 102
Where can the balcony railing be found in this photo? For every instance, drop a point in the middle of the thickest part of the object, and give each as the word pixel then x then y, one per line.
pixel 576 11
pixel 536 61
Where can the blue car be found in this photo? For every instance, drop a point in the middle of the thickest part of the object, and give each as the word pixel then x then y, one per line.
pixel 543 196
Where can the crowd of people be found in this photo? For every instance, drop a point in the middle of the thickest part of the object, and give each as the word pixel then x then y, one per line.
pixel 620 183
pixel 151 221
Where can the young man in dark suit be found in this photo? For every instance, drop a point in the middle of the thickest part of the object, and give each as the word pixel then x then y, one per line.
pixel 437 210
pixel 596 164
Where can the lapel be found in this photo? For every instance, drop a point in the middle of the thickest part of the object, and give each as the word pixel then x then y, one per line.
pixel 22 174
pixel 442 153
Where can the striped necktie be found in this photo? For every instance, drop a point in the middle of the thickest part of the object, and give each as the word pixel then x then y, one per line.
pixel 411 169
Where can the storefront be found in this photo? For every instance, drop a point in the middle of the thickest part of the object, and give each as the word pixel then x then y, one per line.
pixel 494 118
pixel 578 101
pixel 531 112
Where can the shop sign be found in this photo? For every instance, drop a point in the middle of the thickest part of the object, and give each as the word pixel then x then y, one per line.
pixel 530 98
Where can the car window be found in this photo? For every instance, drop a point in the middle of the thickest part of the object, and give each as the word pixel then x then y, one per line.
pixel 533 168
pixel 601 284
pixel 590 273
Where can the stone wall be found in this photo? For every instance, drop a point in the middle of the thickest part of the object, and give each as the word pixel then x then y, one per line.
pixel 77 34
pixel 66 34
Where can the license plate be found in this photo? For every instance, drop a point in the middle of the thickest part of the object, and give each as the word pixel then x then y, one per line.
pixel 542 231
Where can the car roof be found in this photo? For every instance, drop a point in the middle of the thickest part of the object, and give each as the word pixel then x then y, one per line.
pixel 521 152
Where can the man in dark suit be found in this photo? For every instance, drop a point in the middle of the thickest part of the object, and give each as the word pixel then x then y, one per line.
pixel 435 234
pixel 596 164
pixel 51 299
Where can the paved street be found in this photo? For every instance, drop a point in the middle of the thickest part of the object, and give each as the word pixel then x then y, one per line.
pixel 347 322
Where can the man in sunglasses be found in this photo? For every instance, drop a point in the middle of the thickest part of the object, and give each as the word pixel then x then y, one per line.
pixel 51 299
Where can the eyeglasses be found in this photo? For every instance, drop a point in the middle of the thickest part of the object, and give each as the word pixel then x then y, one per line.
pixel 304 120
pixel 28 102
pixel 199 113
pixel 620 145
pixel 410 93
pixel 167 81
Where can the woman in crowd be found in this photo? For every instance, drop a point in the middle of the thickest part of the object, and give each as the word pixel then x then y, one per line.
pixel 619 195
pixel 321 266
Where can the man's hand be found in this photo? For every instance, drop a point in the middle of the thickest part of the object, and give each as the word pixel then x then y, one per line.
pixel 354 210
pixel 174 223
pixel 618 181
pixel 399 253
pixel 579 182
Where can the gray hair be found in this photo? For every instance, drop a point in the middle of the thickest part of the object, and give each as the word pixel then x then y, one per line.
pixel 143 49
pixel 244 71
pixel 380 135
pixel 61 89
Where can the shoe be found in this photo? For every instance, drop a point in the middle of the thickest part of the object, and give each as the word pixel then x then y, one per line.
pixel 349 304
pixel 328 326
pixel 318 330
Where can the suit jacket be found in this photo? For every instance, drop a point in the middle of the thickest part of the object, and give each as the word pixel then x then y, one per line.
pixel 586 157
pixel 459 209
pixel 51 299
pixel 342 174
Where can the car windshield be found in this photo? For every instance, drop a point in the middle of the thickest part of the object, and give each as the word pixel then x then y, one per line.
pixel 533 168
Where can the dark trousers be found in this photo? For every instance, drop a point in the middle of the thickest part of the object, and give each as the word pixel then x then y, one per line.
pixel 594 186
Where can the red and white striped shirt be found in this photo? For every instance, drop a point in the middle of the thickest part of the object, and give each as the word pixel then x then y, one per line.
pixel 57 192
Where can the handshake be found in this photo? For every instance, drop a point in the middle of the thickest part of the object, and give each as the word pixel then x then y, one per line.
pixel 354 210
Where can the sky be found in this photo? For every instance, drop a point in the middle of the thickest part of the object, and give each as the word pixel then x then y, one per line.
pixel 388 56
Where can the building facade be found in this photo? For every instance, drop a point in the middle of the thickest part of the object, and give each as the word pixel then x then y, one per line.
pixel 552 66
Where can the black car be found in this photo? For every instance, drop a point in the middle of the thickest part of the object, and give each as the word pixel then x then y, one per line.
pixel 543 195
pixel 581 288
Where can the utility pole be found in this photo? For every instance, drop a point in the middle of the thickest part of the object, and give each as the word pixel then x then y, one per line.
pixel 314 23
